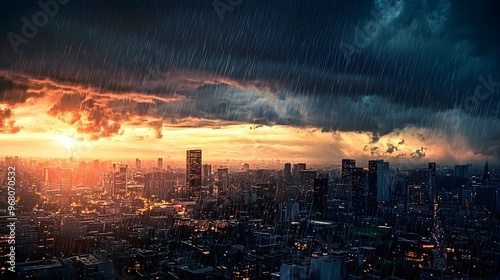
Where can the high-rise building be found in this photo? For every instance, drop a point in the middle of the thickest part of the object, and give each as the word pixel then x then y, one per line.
pixel 463 175
pixel 357 183
pixel 297 168
pixel 320 196
pixel 138 165
pixel 432 179
pixel 193 172
pixel 372 186
pixel 159 184
pixel 287 172
pixel 416 198
pixel 383 182
pixel 160 163
pixel 307 177
pixel 207 174
pixel 486 174
pixel 223 179
pixel 119 180
pixel 347 165
pixel 418 194
pixel 46 178
pixel 66 180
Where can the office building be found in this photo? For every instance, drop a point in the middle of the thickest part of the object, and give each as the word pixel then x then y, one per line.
pixel 358 195
pixel 66 180
pixel 320 196
pixel 287 172
pixel 193 172
pixel 378 184
pixel 347 165
pixel 46 177
pixel 138 165
pixel 432 179
pixel 119 180
pixel 223 179
pixel 207 174
pixel 159 164
pixel 297 168
pixel 383 182
pixel 486 174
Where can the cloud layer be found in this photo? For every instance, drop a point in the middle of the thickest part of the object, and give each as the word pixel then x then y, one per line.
pixel 154 64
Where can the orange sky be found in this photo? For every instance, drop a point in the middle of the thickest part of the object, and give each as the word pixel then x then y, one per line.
pixel 52 128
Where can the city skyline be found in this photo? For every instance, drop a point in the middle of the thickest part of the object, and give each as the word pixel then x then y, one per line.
pixel 250 139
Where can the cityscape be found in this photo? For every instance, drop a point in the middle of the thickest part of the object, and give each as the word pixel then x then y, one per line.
pixel 250 139
pixel 98 219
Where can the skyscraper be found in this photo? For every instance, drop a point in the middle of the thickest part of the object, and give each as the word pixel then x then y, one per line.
pixel 432 179
pixel 463 175
pixel 320 196
pixel 347 164
pixel 372 186
pixel 66 180
pixel 223 178
pixel 297 168
pixel 207 174
pixel 46 178
pixel 193 172
pixel 160 163
pixel 383 182
pixel 138 165
pixel 287 172
pixel 357 183
pixel 486 174
pixel 119 180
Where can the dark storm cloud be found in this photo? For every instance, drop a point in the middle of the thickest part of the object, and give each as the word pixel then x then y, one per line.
pixel 6 124
pixel 12 93
pixel 267 63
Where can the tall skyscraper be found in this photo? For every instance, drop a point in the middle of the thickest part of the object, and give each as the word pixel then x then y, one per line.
pixel 46 177
pixel 486 174
pixel 287 172
pixel 66 180
pixel 138 165
pixel 463 175
pixel 320 196
pixel 383 182
pixel 119 180
pixel 432 179
pixel 193 172
pixel 347 164
pixel 223 178
pixel 207 174
pixel 372 186
pixel 160 163
pixel 297 168
pixel 358 195
pixel 419 197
